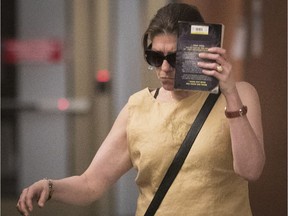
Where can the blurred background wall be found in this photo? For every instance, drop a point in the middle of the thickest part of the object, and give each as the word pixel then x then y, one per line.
pixel 68 67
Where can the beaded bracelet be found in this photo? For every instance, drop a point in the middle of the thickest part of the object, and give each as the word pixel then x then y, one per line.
pixel 51 188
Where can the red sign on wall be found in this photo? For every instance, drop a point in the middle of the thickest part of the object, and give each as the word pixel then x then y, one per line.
pixel 32 51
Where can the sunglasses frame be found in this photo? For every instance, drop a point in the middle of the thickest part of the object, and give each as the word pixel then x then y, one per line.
pixel 170 58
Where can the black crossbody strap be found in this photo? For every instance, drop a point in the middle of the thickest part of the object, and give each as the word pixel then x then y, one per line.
pixel 181 154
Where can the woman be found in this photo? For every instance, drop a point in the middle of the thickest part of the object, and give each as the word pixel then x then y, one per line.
pixel 227 153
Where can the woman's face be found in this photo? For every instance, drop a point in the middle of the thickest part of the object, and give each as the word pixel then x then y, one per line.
pixel 165 44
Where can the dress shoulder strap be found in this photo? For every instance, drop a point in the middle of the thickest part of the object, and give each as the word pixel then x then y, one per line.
pixel 156 93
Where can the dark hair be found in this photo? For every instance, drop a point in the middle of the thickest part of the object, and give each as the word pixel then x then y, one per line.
pixel 166 19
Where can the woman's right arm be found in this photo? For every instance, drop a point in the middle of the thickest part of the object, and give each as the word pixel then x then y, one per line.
pixel 109 164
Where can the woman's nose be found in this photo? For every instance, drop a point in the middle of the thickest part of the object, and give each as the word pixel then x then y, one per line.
pixel 166 66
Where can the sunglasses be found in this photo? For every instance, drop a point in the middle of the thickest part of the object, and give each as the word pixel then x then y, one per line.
pixel 156 59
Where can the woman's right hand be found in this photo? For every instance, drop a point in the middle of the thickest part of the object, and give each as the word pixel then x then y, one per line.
pixel 39 192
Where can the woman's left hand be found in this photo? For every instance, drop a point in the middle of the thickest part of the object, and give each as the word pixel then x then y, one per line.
pixel 220 68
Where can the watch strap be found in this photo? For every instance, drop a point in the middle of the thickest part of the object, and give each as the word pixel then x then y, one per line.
pixel 234 114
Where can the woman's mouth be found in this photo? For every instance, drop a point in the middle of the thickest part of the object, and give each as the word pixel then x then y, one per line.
pixel 169 78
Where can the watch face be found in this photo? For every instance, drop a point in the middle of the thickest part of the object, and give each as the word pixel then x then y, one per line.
pixel 241 112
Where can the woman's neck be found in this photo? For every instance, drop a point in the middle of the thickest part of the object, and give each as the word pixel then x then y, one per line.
pixel 180 94
pixel 175 95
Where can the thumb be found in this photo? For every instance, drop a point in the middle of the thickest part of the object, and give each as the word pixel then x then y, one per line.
pixel 42 200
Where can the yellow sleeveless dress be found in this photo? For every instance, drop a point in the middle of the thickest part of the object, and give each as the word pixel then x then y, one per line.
pixel 206 184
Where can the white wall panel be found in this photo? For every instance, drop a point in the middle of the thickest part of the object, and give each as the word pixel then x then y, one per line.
pixel 43 137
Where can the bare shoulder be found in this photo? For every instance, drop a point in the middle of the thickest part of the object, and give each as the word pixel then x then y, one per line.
pixel 123 115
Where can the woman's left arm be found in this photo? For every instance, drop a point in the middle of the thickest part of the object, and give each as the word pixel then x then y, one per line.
pixel 246 131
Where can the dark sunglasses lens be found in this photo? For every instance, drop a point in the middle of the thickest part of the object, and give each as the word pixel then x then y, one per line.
pixel 171 58
pixel 153 58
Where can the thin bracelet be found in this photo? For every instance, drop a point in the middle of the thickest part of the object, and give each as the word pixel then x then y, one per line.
pixel 51 188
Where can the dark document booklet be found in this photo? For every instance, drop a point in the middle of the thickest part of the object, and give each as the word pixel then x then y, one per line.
pixel 194 38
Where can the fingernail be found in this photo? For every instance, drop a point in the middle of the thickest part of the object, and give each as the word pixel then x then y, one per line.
pixel 200 55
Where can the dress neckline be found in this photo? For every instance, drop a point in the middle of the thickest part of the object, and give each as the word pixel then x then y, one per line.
pixel 194 96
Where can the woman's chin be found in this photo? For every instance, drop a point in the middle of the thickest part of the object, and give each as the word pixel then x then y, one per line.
pixel 168 87
pixel 167 83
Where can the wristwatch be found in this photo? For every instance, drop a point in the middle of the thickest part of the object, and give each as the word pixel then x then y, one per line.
pixel 234 114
